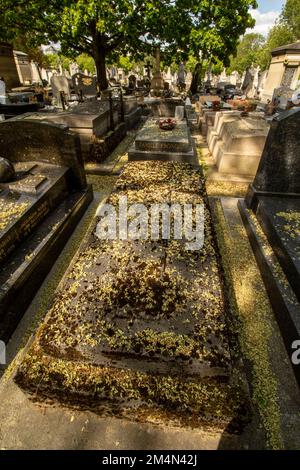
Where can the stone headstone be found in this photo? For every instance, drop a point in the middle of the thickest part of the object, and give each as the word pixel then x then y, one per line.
pixel 262 81
pixel 234 78
pixel 74 68
pixel 223 76
pixel 179 113
pixel 168 76
pixel 157 83
pixel 29 140
pixel 247 82
pixel 60 83
pixel 85 84
pixel 252 93
pixel 279 168
pixel 281 96
pixel 40 206
pixel 2 88
pixel 35 73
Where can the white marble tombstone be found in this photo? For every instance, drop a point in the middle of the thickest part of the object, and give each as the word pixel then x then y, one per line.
pixel 35 73
pixel 282 95
pixel 60 83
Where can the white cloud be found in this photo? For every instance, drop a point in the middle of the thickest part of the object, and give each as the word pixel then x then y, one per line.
pixel 264 21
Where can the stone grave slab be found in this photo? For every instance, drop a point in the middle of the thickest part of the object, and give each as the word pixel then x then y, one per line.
pixel 237 142
pixel 130 104
pixel 207 120
pixel 282 296
pixel 152 143
pixel 40 206
pixel 213 133
pixel 142 323
pixel 208 99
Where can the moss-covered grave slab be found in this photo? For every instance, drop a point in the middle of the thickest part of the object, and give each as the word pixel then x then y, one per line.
pixel 143 324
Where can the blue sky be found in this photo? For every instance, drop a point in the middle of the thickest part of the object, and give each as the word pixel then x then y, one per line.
pixel 266 14
pixel 269 5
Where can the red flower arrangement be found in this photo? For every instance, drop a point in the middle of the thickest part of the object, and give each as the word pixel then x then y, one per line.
pixel 167 124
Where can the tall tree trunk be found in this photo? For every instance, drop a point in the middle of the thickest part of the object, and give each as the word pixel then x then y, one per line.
pixel 196 80
pixel 99 57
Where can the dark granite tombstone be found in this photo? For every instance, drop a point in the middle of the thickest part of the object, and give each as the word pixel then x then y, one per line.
pixel 40 205
pixel 132 82
pixel 274 203
pixel 279 169
pixel 84 84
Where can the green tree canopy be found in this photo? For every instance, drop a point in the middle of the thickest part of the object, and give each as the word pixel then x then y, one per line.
pixel 278 36
pixel 248 53
pixel 100 28
pixel 105 29
pixel 290 17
